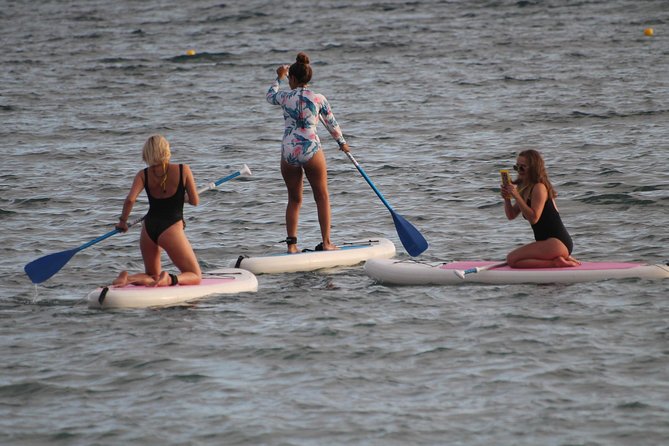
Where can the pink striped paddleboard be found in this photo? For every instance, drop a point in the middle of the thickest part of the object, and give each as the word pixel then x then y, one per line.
pixel 410 272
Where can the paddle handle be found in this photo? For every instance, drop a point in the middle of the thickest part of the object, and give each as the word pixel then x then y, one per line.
pixel 462 273
pixel 244 172
pixel 369 181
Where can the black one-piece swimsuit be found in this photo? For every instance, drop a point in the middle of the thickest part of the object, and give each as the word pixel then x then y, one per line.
pixel 550 225
pixel 163 212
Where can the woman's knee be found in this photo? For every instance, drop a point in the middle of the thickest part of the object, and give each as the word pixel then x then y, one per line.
pixel 558 248
pixel 512 258
pixel 295 198
pixel 321 195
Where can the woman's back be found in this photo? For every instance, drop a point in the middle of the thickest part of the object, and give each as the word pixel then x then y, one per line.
pixel 154 184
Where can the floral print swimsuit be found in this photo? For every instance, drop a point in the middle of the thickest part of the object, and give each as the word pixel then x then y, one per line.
pixel 302 109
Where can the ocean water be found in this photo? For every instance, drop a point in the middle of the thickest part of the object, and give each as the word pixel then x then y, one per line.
pixel 434 98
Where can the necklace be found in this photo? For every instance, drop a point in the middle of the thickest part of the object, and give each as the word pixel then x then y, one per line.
pixel 522 189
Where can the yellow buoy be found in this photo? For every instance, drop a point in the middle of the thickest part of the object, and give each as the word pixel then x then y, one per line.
pixel 648 31
pixel 190 53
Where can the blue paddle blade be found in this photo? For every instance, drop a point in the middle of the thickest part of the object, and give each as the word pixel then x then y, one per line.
pixel 43 268
pixel 412 240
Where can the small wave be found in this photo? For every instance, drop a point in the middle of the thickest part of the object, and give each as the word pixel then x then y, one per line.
pixel 613 114
pixel 190 378
pixel 31 201
pixel 633 405
pixel 4 212
pixel 531 79
pixel 94 35
pixel 200 57
pixel 614 199
pixel 114 60
pixel 648 188
pixel 23 389
pixel 236 18
pixel 88 17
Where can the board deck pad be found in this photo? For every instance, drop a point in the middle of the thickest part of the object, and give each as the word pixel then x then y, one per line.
pixel 584 266
pixel 411 272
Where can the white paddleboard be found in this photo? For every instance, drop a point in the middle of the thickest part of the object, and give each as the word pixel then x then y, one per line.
pixel 409 272
pixel 223 281
pixel 348 254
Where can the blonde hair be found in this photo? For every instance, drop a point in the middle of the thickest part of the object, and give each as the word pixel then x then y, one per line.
pixel 156 151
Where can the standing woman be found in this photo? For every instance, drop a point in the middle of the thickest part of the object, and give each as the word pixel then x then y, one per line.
pixel 535 199
pixel 301 147
pixel 167 186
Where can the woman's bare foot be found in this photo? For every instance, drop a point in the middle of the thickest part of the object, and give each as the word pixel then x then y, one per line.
pixel 561 262
pixel 292 249
pixel 144 280
pixel 121 280
pixel 164 279
pixel 329 247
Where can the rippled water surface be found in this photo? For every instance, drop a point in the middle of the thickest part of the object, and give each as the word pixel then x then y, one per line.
pixel 434 98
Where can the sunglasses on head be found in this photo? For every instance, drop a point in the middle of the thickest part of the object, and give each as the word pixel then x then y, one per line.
pixel 519 168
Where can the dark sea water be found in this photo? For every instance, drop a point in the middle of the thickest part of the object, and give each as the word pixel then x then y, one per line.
pixel 434 98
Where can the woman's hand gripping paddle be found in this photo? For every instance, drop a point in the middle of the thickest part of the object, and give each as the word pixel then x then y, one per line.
pixel 412 240
pixel 45 267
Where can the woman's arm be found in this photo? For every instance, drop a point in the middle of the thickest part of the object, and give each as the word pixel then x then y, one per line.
pixel 508 191
pixel 533 213
pixel 330 123
pixel 191 189
pixel 273 96
pixel 135 190
pixel 510 210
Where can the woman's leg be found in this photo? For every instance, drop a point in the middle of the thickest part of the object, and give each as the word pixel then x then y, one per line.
pixel 124 279
pixel 317 174
pixel 549 253
pixel 151 256
pixel 178 248
pixel 292 176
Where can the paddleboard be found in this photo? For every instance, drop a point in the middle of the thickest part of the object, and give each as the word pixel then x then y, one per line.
pixel 223 281
pixel 349 254
pixel 409 272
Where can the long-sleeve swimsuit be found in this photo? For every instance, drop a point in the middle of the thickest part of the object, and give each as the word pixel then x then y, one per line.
pixel 302 109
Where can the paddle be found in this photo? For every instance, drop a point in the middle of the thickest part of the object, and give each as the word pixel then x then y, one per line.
pixel 43 268
pixel 412 240
pixel 462 273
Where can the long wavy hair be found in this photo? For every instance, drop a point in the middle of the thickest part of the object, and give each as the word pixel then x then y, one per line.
pixel 536 172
